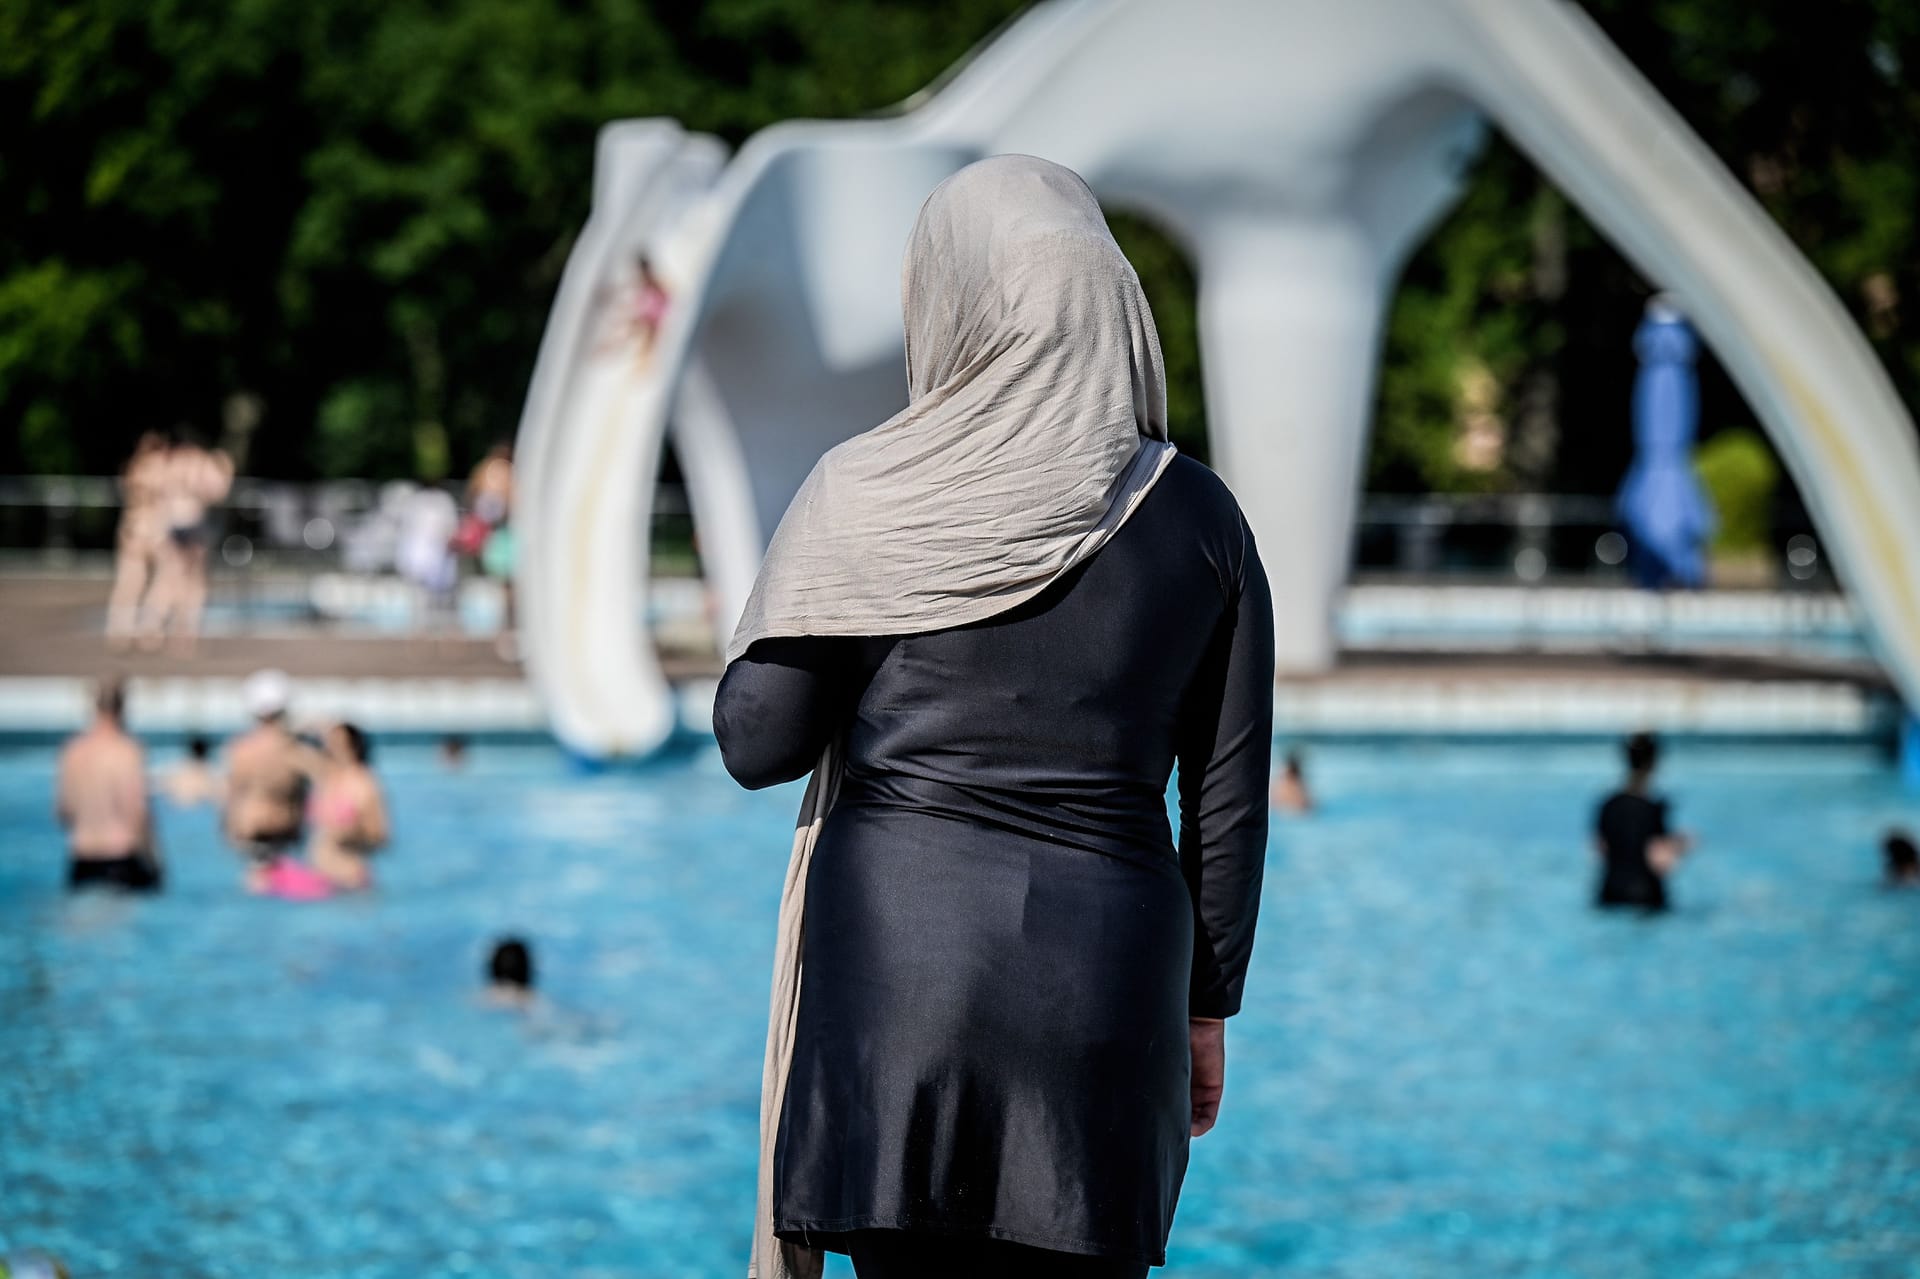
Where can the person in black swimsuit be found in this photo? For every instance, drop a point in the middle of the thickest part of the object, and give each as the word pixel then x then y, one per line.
pixel 1003 945
pixel 1636 848
pixel 1902 859
pixel 101 799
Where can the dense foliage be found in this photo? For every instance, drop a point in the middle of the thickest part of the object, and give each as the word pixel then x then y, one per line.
pixel 1513 324
pixel 347 219
pixel 344 222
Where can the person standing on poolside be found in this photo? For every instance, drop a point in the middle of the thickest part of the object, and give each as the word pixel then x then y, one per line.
pixel 266 781
pixel 1637 852
pixel 143 527
pixel 991 627
pixel 102 802
pixel 195 479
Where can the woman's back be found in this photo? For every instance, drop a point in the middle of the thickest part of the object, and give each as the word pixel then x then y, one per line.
pixel 1063 716
pixel 999 929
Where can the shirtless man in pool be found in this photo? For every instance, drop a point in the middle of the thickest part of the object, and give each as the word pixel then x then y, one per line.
pixel 102 801
pixel 266 781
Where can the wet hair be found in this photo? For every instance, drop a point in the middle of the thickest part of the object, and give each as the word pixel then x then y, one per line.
pixel 1643 752
pixel 511 964
pixel 199 747
pixel 110 698
pixel 453 746
pixel 357 743
pixel 1293 766
pixel 1903 855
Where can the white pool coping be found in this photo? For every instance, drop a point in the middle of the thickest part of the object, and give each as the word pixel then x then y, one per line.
pixel 1440 705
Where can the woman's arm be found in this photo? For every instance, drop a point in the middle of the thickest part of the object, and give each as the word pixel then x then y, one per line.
pixel 374 830
pixel 1225 753
pixel 780 703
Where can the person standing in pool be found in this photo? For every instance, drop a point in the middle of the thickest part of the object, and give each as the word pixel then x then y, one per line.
pixel 102 802
pixel 1637 851
pixel 266 780
pixel 1901 858
pixel 348 812
pixel 1290 793
pixel 991 627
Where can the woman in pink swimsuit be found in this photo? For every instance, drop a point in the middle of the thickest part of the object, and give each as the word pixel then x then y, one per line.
pixel 347 813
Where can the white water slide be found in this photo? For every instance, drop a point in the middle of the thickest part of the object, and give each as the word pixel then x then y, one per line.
pixel 1297 149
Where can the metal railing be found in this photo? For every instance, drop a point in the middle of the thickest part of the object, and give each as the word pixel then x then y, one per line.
pixel 1529 538
pixel 1513 538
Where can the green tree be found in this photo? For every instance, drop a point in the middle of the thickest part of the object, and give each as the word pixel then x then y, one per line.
pixel 1815 109
pixel 355 212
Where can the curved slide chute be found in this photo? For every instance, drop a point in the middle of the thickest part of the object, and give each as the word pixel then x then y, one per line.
pixel 1299 149
pixel 1606 138
pixel 588 451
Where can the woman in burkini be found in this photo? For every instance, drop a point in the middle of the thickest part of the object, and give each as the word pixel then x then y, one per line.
pixel 346 811
pixel 991 626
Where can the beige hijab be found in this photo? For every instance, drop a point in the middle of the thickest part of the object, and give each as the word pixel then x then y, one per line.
pixel 1038 422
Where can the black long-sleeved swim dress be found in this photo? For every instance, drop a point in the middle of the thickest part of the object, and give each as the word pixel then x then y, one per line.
pixel 1002 942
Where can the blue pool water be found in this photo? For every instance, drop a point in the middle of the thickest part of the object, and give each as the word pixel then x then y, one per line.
pixel 1448 1066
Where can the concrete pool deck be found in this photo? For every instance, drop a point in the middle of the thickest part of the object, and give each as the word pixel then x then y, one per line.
pixel 51 652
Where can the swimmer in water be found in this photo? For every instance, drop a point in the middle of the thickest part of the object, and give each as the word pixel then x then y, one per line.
pixel 102 801
pixel 266 782
pixel 510 973
pixel 1902 860
pixel 1636 849
pixel 1290 794
pixel 195 781
pixel 348 812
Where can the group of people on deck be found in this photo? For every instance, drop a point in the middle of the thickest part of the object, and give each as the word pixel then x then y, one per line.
pixel 168 490
pixel 279 791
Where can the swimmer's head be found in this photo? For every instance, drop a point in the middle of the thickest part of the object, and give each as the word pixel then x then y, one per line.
pixel 110 699
pixel 1293 765
pixel 1903 856
pixel 348 744
pixel 199 748
pixel 1643 752
pixel 511 964
pixel 266 694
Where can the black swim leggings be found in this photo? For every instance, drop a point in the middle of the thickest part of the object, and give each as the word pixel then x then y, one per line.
pixel 902 1254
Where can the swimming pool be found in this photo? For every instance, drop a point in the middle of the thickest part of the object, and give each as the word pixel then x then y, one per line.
pixel 1448 1066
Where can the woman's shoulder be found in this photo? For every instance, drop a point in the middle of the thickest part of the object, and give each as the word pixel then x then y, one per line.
pixel 1192 507
pixel 1193 484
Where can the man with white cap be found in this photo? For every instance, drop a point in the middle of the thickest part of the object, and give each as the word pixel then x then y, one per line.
pixel 266 785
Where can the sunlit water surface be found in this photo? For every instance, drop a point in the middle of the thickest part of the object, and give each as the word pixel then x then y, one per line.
pixel 1448 1067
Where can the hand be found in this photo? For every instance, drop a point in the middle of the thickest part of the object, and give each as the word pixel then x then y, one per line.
pixel 1208 1038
